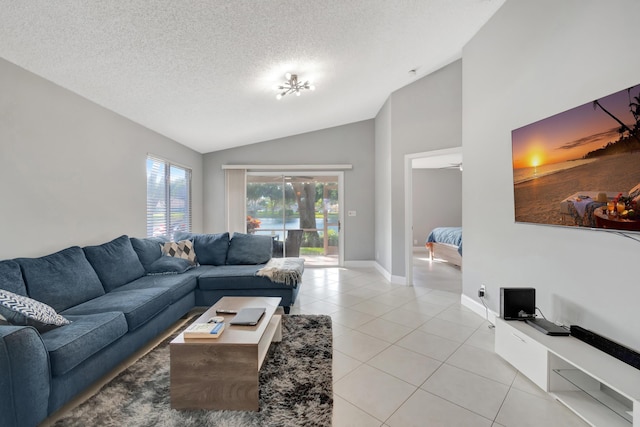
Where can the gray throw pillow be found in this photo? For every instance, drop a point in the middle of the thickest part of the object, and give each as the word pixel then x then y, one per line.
pixel 24 311
pixel 169 265
pixel 249 249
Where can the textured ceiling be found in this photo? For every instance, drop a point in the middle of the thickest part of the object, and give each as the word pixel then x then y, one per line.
pixel 203 72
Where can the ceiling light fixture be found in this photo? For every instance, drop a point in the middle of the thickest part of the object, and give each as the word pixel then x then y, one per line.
pixel 292 85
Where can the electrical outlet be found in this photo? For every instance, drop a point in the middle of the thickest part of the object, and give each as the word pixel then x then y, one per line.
pixel 482 291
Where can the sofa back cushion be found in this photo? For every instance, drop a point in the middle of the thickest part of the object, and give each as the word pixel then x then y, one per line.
pixel 11 278
pixel 149 250
pixel 62 279
pixel 211 248
pixel 115 262
pixel 249 249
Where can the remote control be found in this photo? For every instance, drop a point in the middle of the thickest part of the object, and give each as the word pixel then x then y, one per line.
pixel 222 311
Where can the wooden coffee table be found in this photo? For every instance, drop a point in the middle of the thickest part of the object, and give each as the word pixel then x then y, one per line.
pixel 222 373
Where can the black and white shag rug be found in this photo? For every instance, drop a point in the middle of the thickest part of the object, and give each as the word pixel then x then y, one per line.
pixel 295 387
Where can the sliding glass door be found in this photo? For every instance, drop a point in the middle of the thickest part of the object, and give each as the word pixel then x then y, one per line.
pixel 300 212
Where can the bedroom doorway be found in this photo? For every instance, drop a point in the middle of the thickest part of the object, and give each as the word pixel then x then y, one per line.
pixel 434 200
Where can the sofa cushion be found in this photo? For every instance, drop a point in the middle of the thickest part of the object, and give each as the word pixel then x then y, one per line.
pixel 11 278
pixel 169 265
pixel 115 262
pixel 87 335
pixel 249 249
pixel 148 250
pixel 138 305
pixel 177 285
pixel 62 279
pixel 24 311
pixel 211 248
pixel 235 277
pixel 182 249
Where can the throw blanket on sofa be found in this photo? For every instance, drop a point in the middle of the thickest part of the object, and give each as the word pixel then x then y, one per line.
pixel 283 270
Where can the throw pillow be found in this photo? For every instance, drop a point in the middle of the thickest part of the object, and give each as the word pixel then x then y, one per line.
pixel 249 249
pixel 115 262
pixel 182 249
pixel 24 311
pixel 169 265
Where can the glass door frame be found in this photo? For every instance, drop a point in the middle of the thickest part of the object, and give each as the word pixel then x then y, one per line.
pixel 339 175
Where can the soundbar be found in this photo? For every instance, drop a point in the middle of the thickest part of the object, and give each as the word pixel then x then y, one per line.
pixel 612 348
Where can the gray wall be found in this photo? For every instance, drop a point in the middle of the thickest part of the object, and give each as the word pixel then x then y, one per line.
pixel 72 172
pixel 533 60
pixel 352 144
pixel 423 116
pixel 437 201
pixel 383 248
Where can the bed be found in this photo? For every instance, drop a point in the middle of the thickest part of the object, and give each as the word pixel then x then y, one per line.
pixel 445 243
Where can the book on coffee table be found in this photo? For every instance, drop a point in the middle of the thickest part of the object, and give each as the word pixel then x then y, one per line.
pixel 204 330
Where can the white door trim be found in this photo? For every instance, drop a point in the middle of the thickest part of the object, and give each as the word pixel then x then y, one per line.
pixel 408 204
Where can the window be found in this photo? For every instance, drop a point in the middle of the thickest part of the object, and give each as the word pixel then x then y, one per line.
pixel 168 198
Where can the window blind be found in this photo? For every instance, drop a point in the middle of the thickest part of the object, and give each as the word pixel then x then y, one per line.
pixel 168 198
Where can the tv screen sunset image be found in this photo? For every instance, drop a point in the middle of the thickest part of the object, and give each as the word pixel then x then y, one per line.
pixel 571 168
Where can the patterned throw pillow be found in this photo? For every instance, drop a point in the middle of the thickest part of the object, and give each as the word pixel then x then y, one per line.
pixel 182 249
pixel 23 311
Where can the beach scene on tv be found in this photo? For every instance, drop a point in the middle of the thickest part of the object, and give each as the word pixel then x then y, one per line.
pixel 581 168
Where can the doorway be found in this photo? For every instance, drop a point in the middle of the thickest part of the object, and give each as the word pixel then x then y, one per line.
pixel 300 211
pixel 450 158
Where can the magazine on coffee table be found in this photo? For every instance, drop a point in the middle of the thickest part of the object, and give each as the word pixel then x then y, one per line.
pixel 204 330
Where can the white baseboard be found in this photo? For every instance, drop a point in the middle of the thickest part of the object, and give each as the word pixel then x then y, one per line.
pixel 360 264
pixel 398 280
pixel 478 308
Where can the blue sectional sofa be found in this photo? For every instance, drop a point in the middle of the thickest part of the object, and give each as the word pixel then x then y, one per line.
pixel 109 301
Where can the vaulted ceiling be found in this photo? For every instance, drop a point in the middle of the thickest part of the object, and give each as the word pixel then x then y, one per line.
pixel 203 72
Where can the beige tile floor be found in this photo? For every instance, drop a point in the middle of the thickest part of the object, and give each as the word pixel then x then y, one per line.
pixel 414 356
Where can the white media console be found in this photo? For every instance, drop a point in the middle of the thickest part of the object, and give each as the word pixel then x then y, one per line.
pixel 601 389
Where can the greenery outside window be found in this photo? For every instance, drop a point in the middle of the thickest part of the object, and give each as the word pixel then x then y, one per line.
pixel 168 198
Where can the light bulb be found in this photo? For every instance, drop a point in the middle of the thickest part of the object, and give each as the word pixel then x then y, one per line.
pixel 287 76
pixel 297 93
pixel 312 87
pixel 279 96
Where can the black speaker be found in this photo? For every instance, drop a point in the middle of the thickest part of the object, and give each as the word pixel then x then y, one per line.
pixel 517 303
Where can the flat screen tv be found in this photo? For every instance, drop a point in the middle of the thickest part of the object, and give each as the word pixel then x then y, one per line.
pixel 581 168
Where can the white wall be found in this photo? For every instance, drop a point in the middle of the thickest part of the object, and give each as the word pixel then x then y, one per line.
pixel 533 60
pixel 72 172
pixel 348 144
pixel 423 116
pixel 437 201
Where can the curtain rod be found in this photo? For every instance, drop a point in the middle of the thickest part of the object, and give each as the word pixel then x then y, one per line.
pixel 290 167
